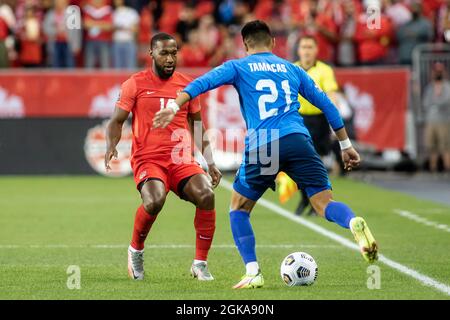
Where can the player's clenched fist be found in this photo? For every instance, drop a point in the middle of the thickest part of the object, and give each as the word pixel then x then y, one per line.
pixel 351 158
pixel 108 156
pixel 215 174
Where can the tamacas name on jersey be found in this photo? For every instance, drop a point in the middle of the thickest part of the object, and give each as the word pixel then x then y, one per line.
pixel 264 66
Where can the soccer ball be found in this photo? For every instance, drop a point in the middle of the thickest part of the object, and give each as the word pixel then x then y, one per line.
pixel 298 269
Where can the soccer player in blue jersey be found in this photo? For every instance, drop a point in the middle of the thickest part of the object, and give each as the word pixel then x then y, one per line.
pixel 277 140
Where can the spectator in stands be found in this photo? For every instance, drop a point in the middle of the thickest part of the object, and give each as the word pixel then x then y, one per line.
pixel 314 22
pixel 436 102
pixel 418 30
pixel 146 26
pixel 4 30
pixel 241 10
pixel 210 40
pixel 192 54
pixel 443 22
pixel 187 22
pixel 30 54
pixel 62 43
pixel 7 25
pixel 232 47
pixel 98 23
pixel 373 40
pixel 125 21
pixel 20 11
pixel 137 5
pixel 224 12
pixel 346 50
pixel 397 11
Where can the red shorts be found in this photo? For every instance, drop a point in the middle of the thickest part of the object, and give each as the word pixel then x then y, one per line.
pixel 170 174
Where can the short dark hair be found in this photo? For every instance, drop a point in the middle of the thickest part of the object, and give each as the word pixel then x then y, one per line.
pixel 256 32
pixel 308 37
pixel 160 37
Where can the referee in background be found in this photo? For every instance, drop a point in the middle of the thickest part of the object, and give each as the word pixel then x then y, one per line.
pixel 314 119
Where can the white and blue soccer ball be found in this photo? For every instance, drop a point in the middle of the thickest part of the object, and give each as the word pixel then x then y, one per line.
pixel 298 269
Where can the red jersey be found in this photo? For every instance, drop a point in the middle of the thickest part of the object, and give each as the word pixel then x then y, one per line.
pixel 373 44
pixel 144 94
pixel 102 14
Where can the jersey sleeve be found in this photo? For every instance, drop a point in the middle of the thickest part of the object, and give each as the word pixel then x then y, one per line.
pixel 223 74
pixel 311 92
pixel 127 96
pixel 329 83
pixel 194 105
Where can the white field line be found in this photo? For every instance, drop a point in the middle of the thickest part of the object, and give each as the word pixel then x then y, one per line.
pixel 414 217
pixel 159 246
pixel 425 280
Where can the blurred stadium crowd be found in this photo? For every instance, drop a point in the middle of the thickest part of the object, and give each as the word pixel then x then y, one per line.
pixel 116 33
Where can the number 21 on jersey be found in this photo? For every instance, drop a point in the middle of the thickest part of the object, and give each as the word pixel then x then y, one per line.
pixel 272 97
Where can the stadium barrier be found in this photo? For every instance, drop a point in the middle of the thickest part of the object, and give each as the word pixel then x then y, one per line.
pixel 52 122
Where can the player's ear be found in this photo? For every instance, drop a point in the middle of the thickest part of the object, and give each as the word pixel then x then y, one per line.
pixel 273 43
pixel 246 46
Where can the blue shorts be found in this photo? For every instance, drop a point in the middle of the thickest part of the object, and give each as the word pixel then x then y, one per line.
pixel 295 155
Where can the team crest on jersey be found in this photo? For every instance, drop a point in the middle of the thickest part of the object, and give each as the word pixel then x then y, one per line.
pixel 95 148
pixel 142 175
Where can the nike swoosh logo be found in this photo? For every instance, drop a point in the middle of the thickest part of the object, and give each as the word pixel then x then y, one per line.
pixel 204 238
pixel 150 92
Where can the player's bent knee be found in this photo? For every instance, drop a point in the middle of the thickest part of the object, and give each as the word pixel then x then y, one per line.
pixel 241 203
pixel 153 206
pixel 205 198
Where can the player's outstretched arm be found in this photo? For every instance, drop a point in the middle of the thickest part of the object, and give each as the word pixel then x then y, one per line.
pixel 201 141
pixel 114 133
pixel 224 74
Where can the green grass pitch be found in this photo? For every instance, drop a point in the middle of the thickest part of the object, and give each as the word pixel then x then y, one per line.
pixel 50 223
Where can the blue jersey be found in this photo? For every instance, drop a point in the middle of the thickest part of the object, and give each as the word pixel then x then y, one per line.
pixel 268 89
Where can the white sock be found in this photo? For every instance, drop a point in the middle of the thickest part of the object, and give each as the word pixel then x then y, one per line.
pixel 252 268
pixel 350 224
pixel 199 261
pixel 135 250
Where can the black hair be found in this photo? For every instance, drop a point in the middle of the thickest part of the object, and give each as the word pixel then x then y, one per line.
pixel 160 37
pixel 256 32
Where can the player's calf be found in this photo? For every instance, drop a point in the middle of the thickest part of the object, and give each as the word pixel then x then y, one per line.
pixel 198 191
pixel 205 226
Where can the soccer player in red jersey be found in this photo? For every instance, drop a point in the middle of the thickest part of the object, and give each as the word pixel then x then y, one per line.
pixel 162 159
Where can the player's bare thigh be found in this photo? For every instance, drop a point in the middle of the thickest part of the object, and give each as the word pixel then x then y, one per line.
pixel 239 202
pixel 153 194
pixel 199 191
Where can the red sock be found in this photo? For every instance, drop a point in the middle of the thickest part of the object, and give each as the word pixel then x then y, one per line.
pixel 142 225
pixel 205 225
